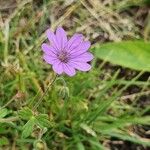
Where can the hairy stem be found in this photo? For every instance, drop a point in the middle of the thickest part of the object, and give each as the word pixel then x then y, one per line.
pixel 44 94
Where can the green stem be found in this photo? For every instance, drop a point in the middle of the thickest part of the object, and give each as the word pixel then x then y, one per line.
pixel 6 42
pixel 44 94
pixel 10 101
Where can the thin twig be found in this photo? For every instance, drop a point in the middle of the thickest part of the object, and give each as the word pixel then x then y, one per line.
pixel 10 119
pixel 10 101
pixel 132 96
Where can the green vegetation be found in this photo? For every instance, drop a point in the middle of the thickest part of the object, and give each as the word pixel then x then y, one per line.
pixel 103 109
pixel 132 54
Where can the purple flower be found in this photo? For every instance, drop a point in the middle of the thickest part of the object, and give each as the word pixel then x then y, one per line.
pixel 65 55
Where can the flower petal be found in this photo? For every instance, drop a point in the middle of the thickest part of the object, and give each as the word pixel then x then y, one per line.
pixel 83 47
pixel 49 50
pixel 49 59
pixel 58 67
pixel 61 37
pixel 69 70
pixel 80 65
pixel 52 38
pixel 85 57
pixel 74 41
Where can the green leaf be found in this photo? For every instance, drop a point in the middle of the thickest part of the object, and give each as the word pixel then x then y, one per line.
pixel 122 122
pixel 80 146
pixel 43 120
pixel 97 144
pixel 88 129
pixel 28 128
pixel 147 1
pixel 131 138
pixel 3 112
pixel 3 141
pixel 25 113
pixel 131 54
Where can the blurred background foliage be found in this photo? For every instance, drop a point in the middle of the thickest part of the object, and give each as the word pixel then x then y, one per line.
pixel 106 108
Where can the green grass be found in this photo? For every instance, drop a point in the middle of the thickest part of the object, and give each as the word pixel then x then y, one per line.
pixel 80 112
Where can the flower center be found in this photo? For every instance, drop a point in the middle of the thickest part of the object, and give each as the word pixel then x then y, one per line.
pixel 63 57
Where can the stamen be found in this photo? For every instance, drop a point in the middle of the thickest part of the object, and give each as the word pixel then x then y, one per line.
pixel 63 56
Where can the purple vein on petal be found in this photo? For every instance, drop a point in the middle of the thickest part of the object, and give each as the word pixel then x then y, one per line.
pixel 75 40
pixel 49 59
pixel 83 66
pixel 83 47
pixel 58 67
pixel 61 37
pixel 52 38
pixel 47 49
pixel 84 57
pixel 68 69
